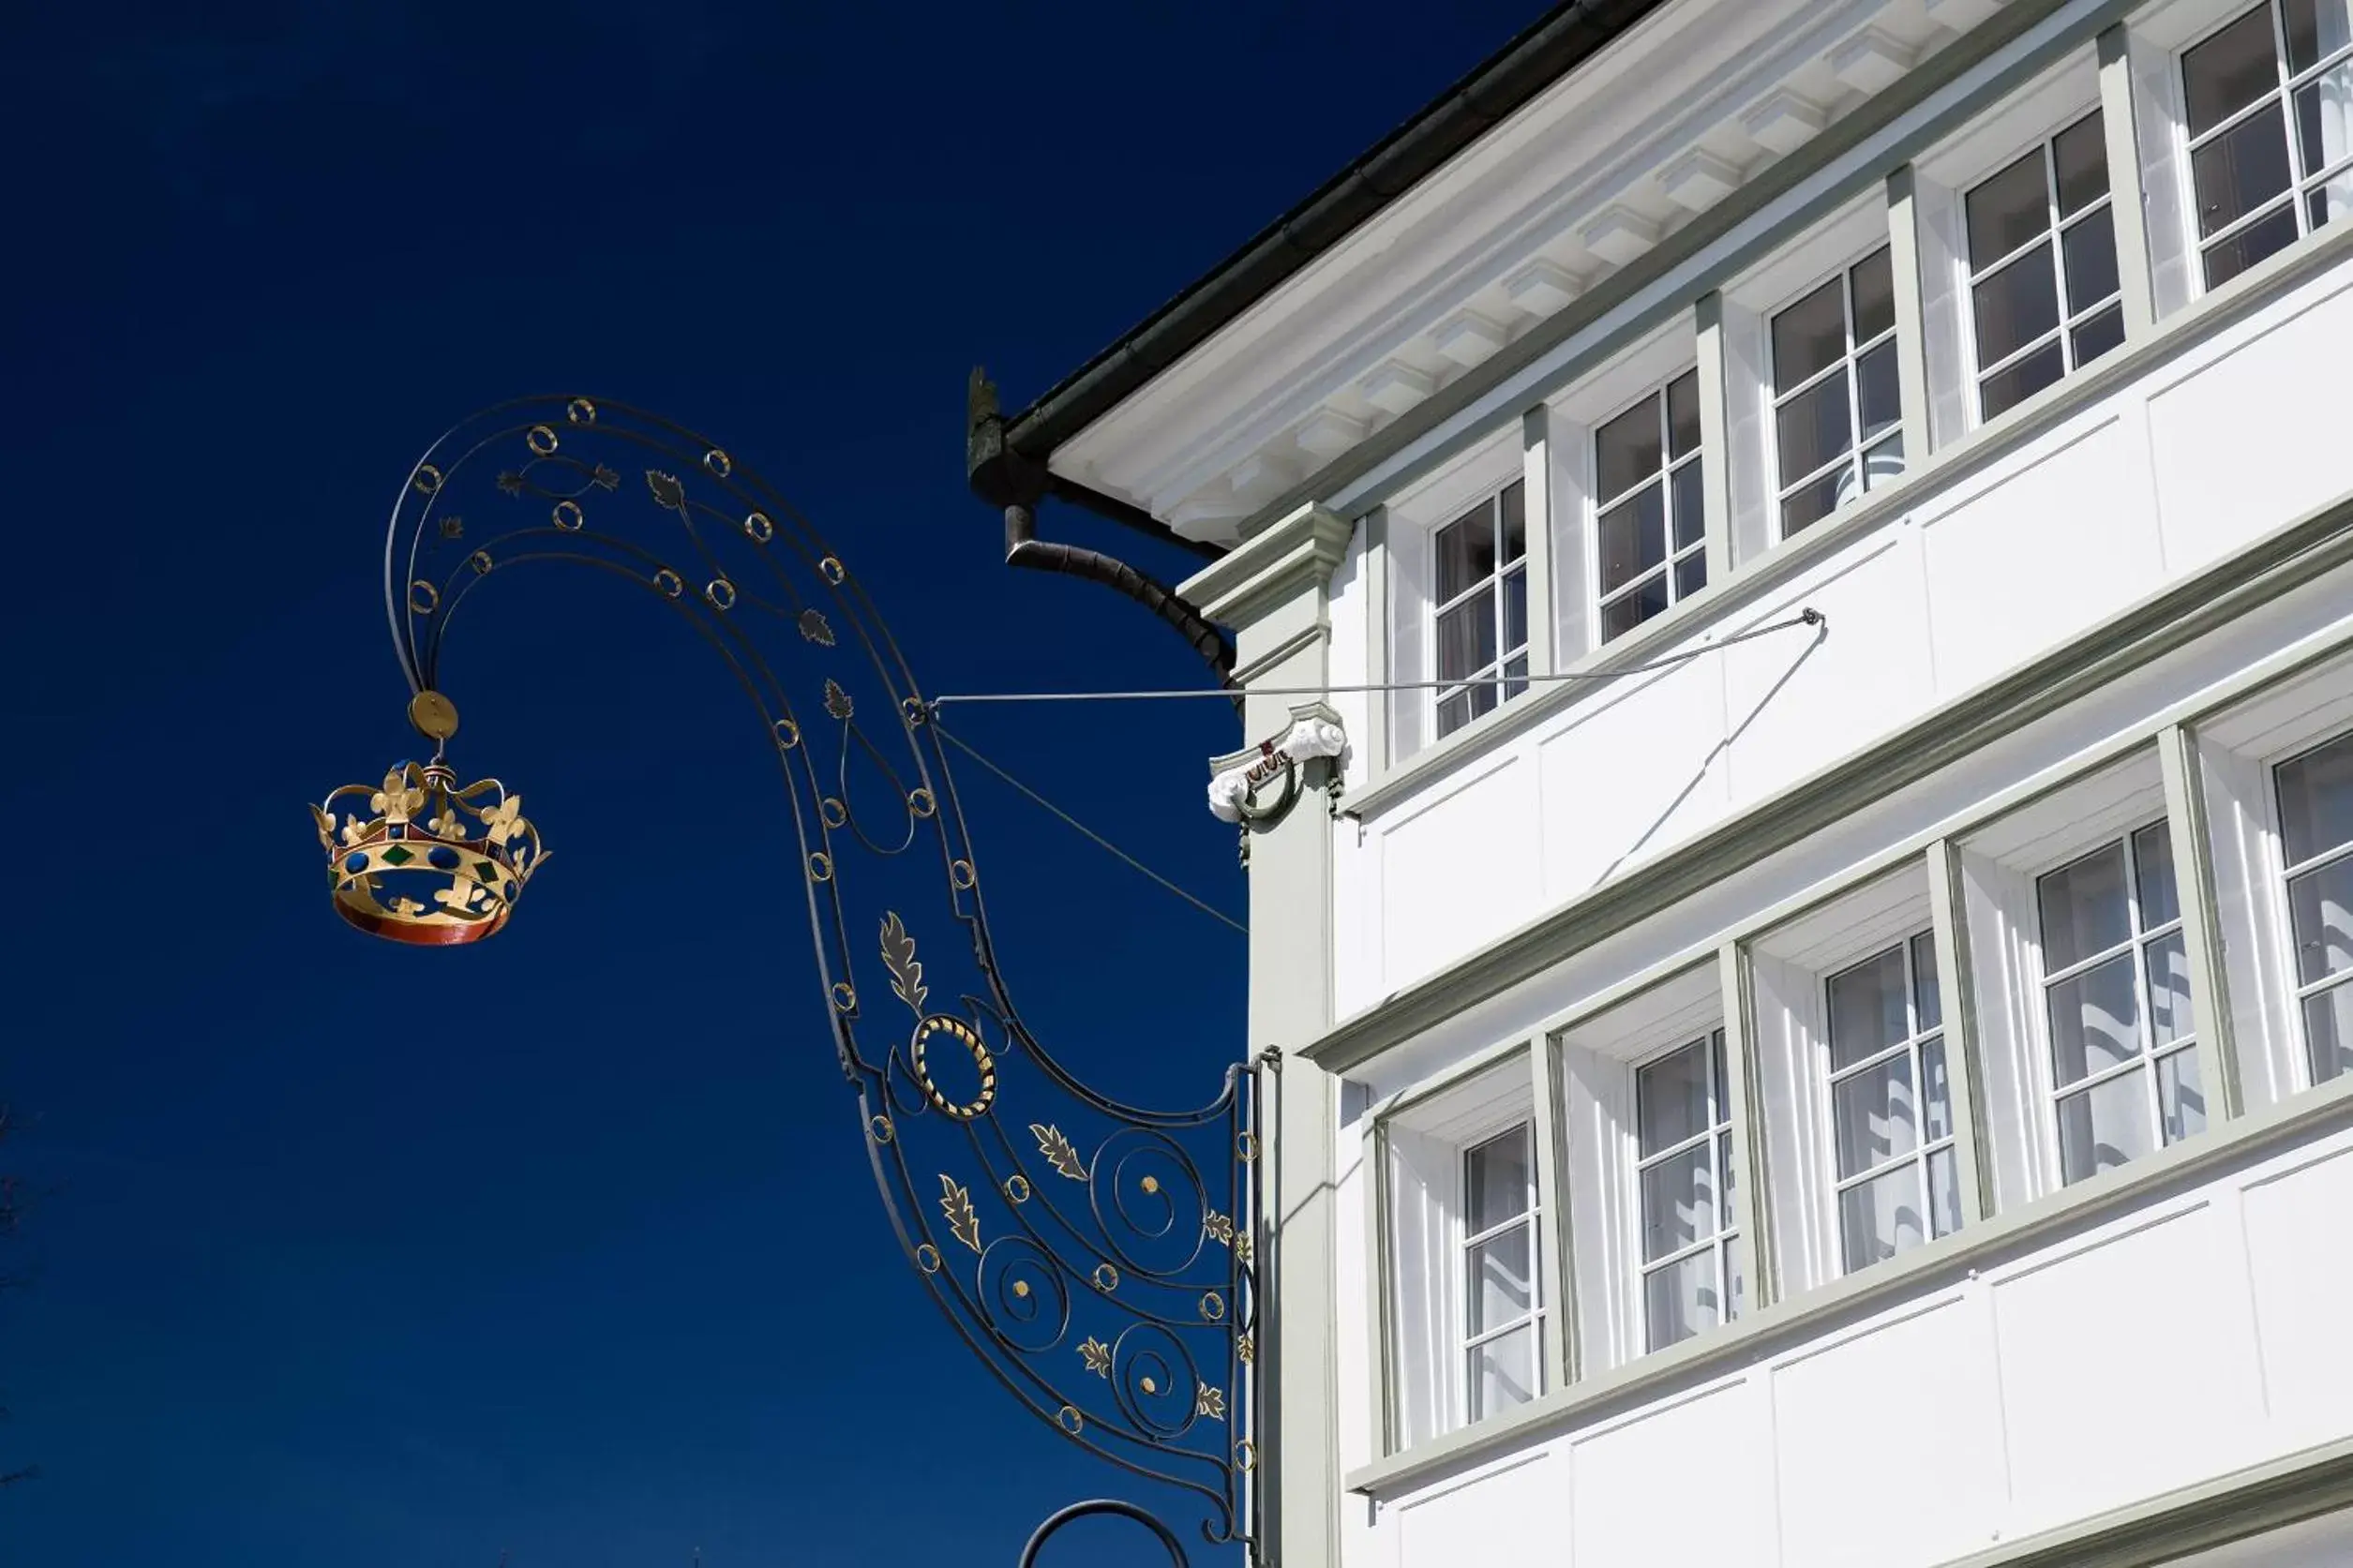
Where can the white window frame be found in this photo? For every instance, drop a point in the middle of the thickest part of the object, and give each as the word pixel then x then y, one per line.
pixel 1913 1047
pixel 2299 991
pixel 1467 1344
pixel 1779 487
pixel 1664 475
pixel 2072 317
pixel 2282 95
pixel 1490 674
pixel 1718 1138
pixel 2137 941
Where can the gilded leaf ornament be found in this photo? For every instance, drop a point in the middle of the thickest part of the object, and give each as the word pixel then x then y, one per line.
pixel 898 956
pixel 956 1204
pixel 1246 1349
pixel 1058 1151
pixel 666 490
pixel 814 627
pixel 837 700
pixel 1097 1355
pixel 1212 1403
pixel 1219 1228
pixel 605 478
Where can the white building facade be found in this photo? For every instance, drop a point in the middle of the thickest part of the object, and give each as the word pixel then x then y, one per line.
pixel 1817 1030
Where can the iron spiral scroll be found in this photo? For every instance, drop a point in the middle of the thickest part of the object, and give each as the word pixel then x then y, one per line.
pixel 1099 1258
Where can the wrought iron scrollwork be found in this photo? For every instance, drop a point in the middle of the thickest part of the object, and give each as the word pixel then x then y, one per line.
pixel 1099 1258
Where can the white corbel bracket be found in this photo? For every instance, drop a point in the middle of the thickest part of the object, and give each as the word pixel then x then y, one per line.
pixel 1312 754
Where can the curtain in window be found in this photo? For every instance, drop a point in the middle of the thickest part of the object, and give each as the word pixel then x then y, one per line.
pixel 2333 20
pixel 1422 1285
pixel 1407 550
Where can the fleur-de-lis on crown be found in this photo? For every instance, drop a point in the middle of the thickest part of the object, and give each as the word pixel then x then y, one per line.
pixel 397 801
pixel 505 819
pixel 460 896
pixel 447 825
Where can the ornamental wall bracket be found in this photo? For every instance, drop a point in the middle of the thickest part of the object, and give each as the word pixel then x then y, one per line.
pixel 1257 787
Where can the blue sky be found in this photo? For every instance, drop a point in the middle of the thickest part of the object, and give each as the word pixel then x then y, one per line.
pixel 562 1246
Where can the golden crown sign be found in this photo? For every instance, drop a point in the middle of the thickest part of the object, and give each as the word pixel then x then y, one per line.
pixel 420 858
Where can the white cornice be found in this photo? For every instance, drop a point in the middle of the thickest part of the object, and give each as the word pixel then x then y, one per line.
pixel 1671 119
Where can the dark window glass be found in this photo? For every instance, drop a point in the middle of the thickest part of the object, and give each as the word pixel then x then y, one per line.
pixel 1813 427
pixel 1688 507
pixel 1874 295
pixel 2241 169
pixel 1513 504
pixel 1683 414
pixel 1466 551
pixel 2243 249
pixel 2079 158
pixel 2015 305
pixel 1621 615
pixel 2089 250
pixel 1809 337
pixel 1628 450
pixel 1633 538
pixel 2099 334
pixel 2006 211
pixel 2230 70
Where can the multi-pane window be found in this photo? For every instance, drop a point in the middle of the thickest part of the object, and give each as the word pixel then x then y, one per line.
pixel 1503 1303
pixel 2268 104
pixel 1691 1267
pixel 2116 986
pixel 2315 799
pixel 1482 608
pixel 1835 417
pixel 2043 288
pixel 1891 1106
pixel 1651 536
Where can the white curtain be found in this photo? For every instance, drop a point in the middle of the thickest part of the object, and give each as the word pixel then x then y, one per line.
pixel 1423 1286
pixel 2334 90
pixel 1407 551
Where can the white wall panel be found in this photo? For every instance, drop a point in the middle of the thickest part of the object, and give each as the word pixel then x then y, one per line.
pixel 2042 553
pixel 2122 1375
pixel 1687 1473
pixel 1639 768
pixel 1460 870
pixel 1891 1443
pixel 2303 1279
pixel 2251 429
pixel 1517 1513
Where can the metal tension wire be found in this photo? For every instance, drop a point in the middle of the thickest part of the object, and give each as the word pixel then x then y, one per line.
pixel 1807 617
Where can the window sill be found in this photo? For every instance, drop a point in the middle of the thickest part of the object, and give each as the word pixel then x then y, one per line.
pixel 1815 1311
pixel 1704 612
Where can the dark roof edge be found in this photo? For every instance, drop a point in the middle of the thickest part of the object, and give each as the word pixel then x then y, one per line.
pixel 1563 38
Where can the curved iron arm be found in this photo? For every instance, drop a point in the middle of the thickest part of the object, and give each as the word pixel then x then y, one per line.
pixel 1099 1258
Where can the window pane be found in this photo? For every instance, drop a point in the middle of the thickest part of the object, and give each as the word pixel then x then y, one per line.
pixel 1688 505
pixel 2153 875
pixel 2329 1032
pixel 2320 911
pixel 2324 119
pixel 1882 462
pixel 1690 574
pixel 2095 1020
pixel 2008 210
pixel 1924 974
pixel 1628 450
pixel 1513 502
pixel 2089 251
pixel 1812 503
pixel 1937 1090
pixel 1466 638
pixel 2021 380
pixel 2243 249
pixel 2099 334
pixel 1874 295
pixel 1514 676
pixel 1454 713
pixel 2315 30
pixel 1809 336
pixel 1867 1012
pixel 2079 153
pixel 1503 1373
pixel 2230 70
pixel 1682 1299
pixel 1735 1271
pixel 1633 537
pixel 2169 991
pixel 2180 1099
pixel 1671 1099
pixel 1683 413
pixel 1679 1202
pixel 2082 907
pixel 1622 615
pixel 1495 1181
pixel 1515 610
pixel 1466 551
pixel 1873 1115
pixel 2239 170
pixel 1880 1217
pixel 1876 391
pixel 1727 1174
pixel 1813 428
pixel 2315 793
pixel 1944 1192
pixel 1501 1291
pixel 2102 1127
pixel 2015 305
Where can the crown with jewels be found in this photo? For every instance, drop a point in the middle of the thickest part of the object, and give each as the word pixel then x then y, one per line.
pixel 421 859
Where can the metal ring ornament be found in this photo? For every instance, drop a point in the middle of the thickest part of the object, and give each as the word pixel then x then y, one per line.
pixel 432 597
pixel 1212 1307
pixel 1017 1190
pixel 961 874
pixel 481 562
pixel 845 995
pixel 669 582
pixel 541 439
pixel 820 867
pixel 568 517
pixel 968 1036
pixel 1070 1420
pixel 787 734
pixel 1107 1277
pixel 881 1129
pixel 832 811
pixel 927 1258
pixel 1246 1146
pixel 427 479
pixel 580 411
pixel 721 593
pixel 834 570
pixel 758 529
pixel 719 463
pixel 920 801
